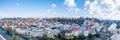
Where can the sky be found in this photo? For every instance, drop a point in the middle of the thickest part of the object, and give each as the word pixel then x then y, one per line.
pixel 102 9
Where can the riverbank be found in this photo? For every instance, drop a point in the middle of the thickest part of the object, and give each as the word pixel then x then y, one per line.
pixel 2 38
pixel 11 36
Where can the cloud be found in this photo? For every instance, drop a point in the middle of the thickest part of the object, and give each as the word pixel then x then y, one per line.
pixel 106 9
pixel 70 3
pixel 87 2
pixel 17 4
pixel 71 6
pixel 54 5
pixel 49 10
pixel 77 10
pixel 54 13
pixel 52 10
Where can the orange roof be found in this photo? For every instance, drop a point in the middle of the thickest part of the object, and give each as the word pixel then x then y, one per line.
pixel 76 29
pixel 87 27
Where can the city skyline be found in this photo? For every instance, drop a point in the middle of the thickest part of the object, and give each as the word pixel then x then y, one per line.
pixel 102 9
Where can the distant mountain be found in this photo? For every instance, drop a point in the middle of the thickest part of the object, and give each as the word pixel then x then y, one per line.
pixel 111 21
pixel 7 19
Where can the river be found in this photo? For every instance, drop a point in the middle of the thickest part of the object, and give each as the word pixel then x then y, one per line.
pixel 11 36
